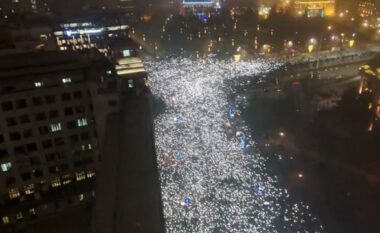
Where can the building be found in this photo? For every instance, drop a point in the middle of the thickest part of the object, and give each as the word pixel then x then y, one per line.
pixel 315 8
pixel 128 194
pixel 53 112
pixel 367 8
pixel 94 30
pixel 9 7
pixel 199 3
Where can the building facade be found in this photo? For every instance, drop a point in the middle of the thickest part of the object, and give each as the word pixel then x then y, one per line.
pixel 315 8
pixel 53 111
pixel 367 8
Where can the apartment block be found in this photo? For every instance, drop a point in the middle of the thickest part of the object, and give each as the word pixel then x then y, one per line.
pixel 53 109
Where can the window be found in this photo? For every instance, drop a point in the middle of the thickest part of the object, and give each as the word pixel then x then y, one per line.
pixel 21 103
pixel 80 197
pixel 38 84
pixel 126 53
pixel 44 130
pixel 86 147
pixel 79 109
pixel 34 161
pixel 66 179
pixel 50 157
pixel 82 122
pixel 3 153
pixel 31 147
pixel 66 80
pixel 19 216
pixel 26 176
pixel 59 141
pixel 74 138
pixel 32 212
pixel 24 119
pixel 112 103
pixel 71 124
pixel 55 182
pixel 37 101
pixel 53 169
pixel 15 136
pixel 40 116
pixel 66 97
pixel 130 83
pixel 55 127
pixel 84 136
pixel 38 173
pixel 77 94
pixel 53 114
pixel 19 150
pixel 29 189
pixel 64 167
pixel 80 176
pixel 90 174
pixel 68 111
pixel 5 219
pixel 7 106
pixel 50 99
pixel 28 133
pixel 61 155
pixel 10 181
pixel 47 144
pixel 13 193
pixel 11 121
pixel 5 167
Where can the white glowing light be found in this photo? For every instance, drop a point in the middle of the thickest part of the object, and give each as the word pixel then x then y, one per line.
pixel 207 154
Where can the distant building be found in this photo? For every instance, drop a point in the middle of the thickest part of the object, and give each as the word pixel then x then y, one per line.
pixel 367 8
pixel 9 7
pixel 98 30
pixel 315 8
pixel 53 113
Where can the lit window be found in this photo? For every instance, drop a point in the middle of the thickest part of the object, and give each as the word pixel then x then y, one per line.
pixel 126 53
pixel 90 174
pixel 82 122
pixel 80 176
pixel 13 193
pixel 109 72
pixel 81 197
pixel 38 84
pixel 86 147
pixel 29 189
pixel 19 216
pixel 66 80
pixel 66 179
pixel 6 167
pixel 5 219
pixel 32 211
pixel 130 83
pixel 55 127
pixel 55 182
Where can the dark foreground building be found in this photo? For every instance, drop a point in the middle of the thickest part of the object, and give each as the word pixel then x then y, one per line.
pixel 128 196
pixel 53 112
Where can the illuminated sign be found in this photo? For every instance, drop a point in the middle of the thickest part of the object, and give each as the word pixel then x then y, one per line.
pixel 197 2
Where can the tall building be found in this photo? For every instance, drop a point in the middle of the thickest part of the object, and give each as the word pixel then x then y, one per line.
pixel 9 7
pixel 367 8
pixel 315 8
pixel 53 111
pixel 93 30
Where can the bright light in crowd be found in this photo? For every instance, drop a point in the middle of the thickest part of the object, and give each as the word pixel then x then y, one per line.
pixel 211 181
